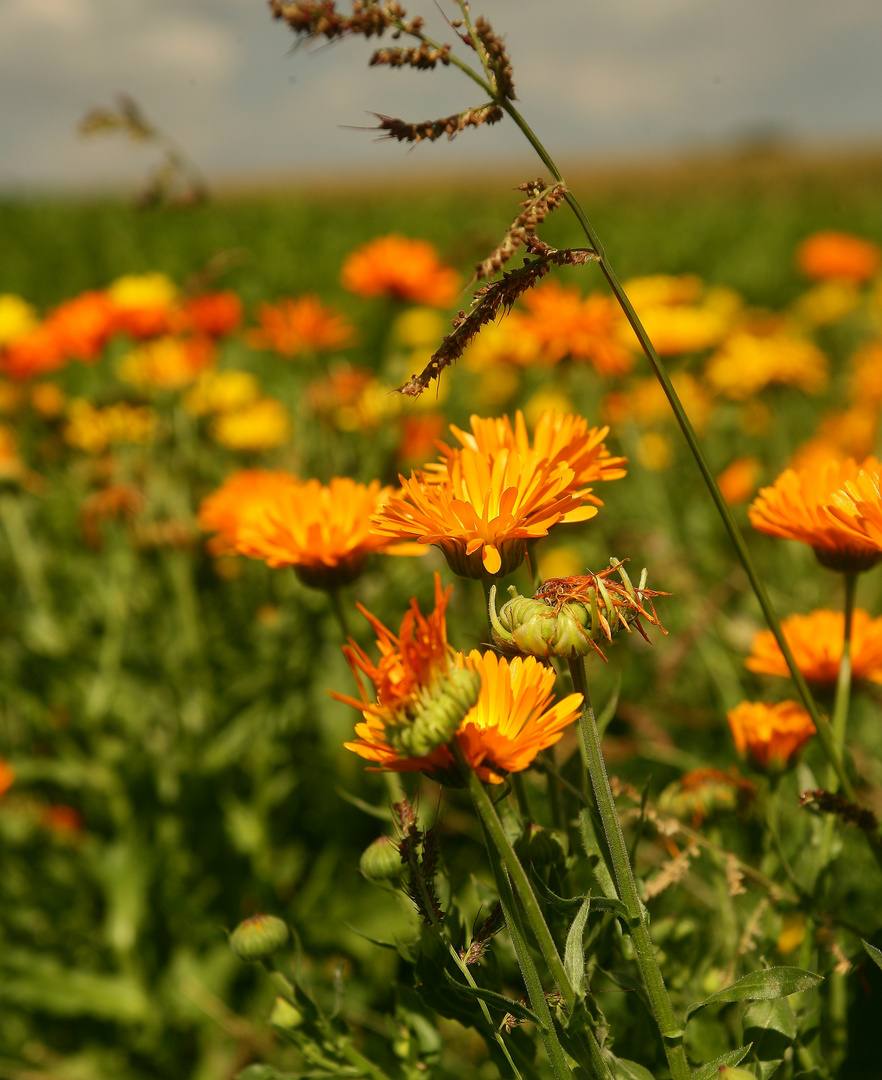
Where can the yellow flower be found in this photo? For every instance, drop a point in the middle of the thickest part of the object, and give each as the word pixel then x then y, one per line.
pixel 143 290
pixel 816 643
pixel 94 429
pixel 167 363
pixel 771 735
pixel 798 507
pixel 747 363
pixel 17 318
pixel 48 400
pixel 484 500
pixel 325 533
pixel 221 392
pixel 262 425
pixel 676 316
pixel 827 303
pixel 400 268
pixel 512 720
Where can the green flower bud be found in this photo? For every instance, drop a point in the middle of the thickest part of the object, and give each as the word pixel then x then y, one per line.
pixel 381 861
pixel 259 937
pixel 539 848
pixel 436 716
pixel 285 1015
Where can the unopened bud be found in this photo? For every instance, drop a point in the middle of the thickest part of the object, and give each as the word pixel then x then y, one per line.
pixel 381 861
pixel 436 716
pixel 259 937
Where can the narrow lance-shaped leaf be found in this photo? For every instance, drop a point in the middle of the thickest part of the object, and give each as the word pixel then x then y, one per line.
pixel 774 982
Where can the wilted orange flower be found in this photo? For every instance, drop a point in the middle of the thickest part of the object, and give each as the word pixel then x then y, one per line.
pixel 33 354
pixel 400 268
pixel 212 314
pixel 837 255
pixel 512 720
pixel 241 497
pixel 261 425
pixel 592 329
pixel 325 533
pixel 858 507
pixel 797 507
pixel 94 429
pixel 299 325
pixel 771 735
pixel 737 482
pixel 168 363
pixel 144 304
pixel 483 501
pixel 816 643
pixel 747 363
pixel 83 326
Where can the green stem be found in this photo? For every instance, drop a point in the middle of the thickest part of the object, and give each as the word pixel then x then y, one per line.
pixel 671 1031
pixel 824 734
pixel 843 682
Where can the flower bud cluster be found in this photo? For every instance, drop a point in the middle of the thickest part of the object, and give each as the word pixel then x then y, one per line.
pixel 567 617
pixel 313 19
pixel 422 57
pixel 497 59
pixel 451 126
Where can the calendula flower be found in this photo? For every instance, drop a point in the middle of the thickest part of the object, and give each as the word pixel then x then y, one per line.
pixel 95 429
pixel 324 532
pixel 866 380
pixel 221 392
pixel 797 507
pixel 837 255
pixel 702 792
pixel 241 497
pixel 747 363
pixel 848 434
pixel 858 506
pixel 420 695
pixel 17 318
pixel 400 268
pixel 677 317
pixel 213 315
pixel 261 425
pixel 144 304
pixel 737 482
pixel 298 325
pixel 502 732
pixel 485 499
pixel 48 400
pixel 7 777
pixel 31 355
pixel 771 735
pixel 816 643
pixel 12 468
pixel 590 329
pixel 83 326
pixel 168 363
pixel 827 302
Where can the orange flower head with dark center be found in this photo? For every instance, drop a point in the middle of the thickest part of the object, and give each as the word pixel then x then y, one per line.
pixel 402 269
pixel 816 642
pixel 770 735
pixel 485 499
pixel 798 507
pixel 323 532
pixel 299 325
pixel 836 255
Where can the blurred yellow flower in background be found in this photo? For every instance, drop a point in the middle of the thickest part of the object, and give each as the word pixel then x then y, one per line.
pixel 167 363
pixel 17 318
pixel 261 425
pixel 144 304
pixel 747 363
pixel 94 429
pixel 737 482
pixel 221 392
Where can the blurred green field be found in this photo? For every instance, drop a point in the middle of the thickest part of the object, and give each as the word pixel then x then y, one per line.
pixel 185 717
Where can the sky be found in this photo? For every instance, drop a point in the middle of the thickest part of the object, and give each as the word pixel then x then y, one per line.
pixel 596 80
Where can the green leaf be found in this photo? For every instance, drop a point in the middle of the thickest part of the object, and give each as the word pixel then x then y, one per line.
pixel 771 1025
pixel 499 1001
pixel 574 954
pixel 777 982
pixel 874 954
pixel 711 1070
pixel 622 1069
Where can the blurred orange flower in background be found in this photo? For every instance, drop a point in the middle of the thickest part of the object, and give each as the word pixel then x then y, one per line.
pixel 402 269
pixel 144 304
pixel 770 735
pixel 797 507
pixel 816 643
pixel 212 314
pixel 591 329
pixel 298 325
pixel 83 325
pixel 737 482
pixel 36 352
pixel 168 363
pixel 833 254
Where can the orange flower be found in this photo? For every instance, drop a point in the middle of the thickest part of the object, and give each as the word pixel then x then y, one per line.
pixel 797 507
pixel 592 329
pixel 83 326
pixel 325 533
pixel 737 482
pixel 772 735
pixel 241 497
pixel 511 721
pixel 35 353
pixel 400 268
pixel 858 508
pixel 747 363
pixel 486 499
pixel 300 325
pixel 837 255
pixel 816 643
pixel 168 363
pixel 7 777
pixel 144 304
pixel 212 314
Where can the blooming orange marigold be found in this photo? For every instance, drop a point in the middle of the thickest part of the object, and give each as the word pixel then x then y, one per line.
pixel 83 325
pixel 771 735
pixel 591 329
pixel 798 507
pixel 242 496
pixel 324 532
pixel 298 325
pixel 838 255
pixel 858 507
pixel 401 268
pixel 484 500
pixel 816 643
